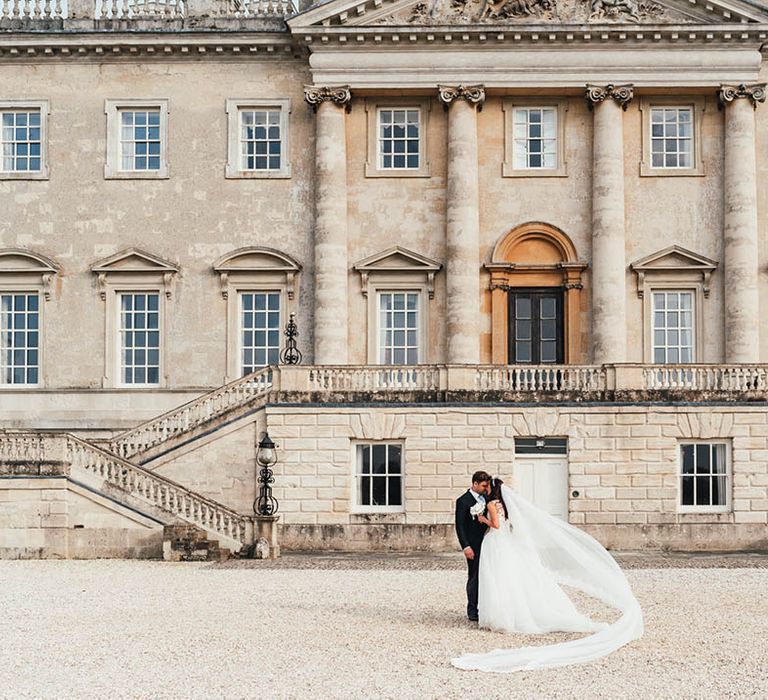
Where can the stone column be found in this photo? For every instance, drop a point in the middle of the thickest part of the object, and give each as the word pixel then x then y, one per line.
pixel 742 332
pixel 462 234
pixel 609 317
pixel 331 312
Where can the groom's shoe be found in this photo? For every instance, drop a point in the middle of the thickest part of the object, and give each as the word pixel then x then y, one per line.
pixel 472 616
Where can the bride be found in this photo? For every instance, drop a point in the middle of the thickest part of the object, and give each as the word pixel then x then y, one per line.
pixel 526 554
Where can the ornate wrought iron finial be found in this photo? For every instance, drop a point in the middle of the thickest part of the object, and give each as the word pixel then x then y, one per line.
pixel 340 95
pixel 729 93
pixel 291 355
pixel 266 456
pixel 621 94
pixel 474 94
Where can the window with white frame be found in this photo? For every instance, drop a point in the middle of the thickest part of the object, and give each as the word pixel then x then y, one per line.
pixel 399 327
pixel 705 476
pixel 673 327
pixel 399 138
pixel 672 144
pixel 258 138
pixel 535 138
pixel 23 127
pixel 140 142
pixel 19 338
pixel 259 330
pixel 139 338
pixel 137 139
pixel 379 477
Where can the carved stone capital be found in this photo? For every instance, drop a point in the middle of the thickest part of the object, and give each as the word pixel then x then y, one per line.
pixel 622 94
pixel 754 93
pixel 474 94
pixel 339 94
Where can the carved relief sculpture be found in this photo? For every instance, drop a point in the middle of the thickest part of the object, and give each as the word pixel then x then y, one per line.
pixel 615 9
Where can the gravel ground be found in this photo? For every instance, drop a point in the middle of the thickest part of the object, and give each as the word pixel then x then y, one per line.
pixel 119 629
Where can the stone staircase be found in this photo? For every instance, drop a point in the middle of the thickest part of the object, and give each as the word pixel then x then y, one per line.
pixel 190 543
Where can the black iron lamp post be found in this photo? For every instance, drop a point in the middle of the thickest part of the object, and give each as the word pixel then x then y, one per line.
pixel 266 456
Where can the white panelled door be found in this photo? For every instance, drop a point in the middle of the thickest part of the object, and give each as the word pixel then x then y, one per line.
pixel 543 480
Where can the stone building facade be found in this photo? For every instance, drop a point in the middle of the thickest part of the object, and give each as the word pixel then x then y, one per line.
pixel 524 236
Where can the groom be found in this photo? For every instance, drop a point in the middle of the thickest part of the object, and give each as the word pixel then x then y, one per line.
pixel 470 533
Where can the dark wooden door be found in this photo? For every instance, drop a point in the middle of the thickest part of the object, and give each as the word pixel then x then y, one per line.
pixel 536 328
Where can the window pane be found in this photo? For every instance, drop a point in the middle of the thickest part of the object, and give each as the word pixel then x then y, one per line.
pixel 262 141
pixel 259 329
pixel 139 350
pixel 19 338
pixel 137 140
pixel 535 134
pixel 401 139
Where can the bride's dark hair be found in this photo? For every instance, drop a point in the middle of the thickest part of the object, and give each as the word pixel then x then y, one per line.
pixel 495 494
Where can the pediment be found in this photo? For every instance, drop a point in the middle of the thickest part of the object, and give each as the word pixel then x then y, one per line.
pixel 366 13
pixel 397 259
pixel 673 258
pixel 255 259
pixel 133 260
pixel 18 260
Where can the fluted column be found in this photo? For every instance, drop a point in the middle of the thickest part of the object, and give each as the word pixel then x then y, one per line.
pixel 742 332
pixel 609 317
pixel 331 313
pixel 462 234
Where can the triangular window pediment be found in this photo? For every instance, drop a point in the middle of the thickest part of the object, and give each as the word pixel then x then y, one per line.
pixel 360 13
pixel 673 264
pixel 133 260
pixel 394 261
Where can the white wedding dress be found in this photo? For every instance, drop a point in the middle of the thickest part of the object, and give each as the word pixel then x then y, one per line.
pixel 522 564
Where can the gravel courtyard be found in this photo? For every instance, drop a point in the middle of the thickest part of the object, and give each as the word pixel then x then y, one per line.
pixel 351 628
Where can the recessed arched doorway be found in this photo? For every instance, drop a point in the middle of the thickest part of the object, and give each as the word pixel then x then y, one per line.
pixel 536 297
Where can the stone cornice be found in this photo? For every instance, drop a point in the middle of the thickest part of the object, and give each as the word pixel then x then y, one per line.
pixel 754 93
pixel 621 94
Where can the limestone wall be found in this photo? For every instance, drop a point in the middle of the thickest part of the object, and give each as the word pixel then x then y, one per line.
pixel 623 461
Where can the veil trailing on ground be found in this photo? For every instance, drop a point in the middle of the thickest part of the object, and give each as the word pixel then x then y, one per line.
pixel 574 559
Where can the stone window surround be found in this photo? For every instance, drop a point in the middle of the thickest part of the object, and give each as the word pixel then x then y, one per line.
pixel 372 106
pixel 34 277
pixel 281 276
pixel 112 108
pixel 45 110
pixel 704 510
pixel 697 104
pixel 395 284
pixel 508 106
pixel 233 107
pixel 354 507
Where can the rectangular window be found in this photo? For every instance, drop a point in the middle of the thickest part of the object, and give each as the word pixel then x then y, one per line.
pixel 379 477
pixel 536 327
pixel 672 137
pixel 535 138
pixel 673 327
pixel 259 330
pixel 399 139
pixel 140 142
pixel 704 476
pixel 260 139
pixel 399 325
pixel 21 139
pixel 139 332
pixel 19 338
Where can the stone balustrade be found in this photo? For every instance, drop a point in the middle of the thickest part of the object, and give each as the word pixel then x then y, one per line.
pixel 18 14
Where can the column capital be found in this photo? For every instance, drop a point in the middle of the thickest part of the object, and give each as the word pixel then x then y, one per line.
pixel 474 94
pixel 622 94
pixel 338 94
pixel 754 93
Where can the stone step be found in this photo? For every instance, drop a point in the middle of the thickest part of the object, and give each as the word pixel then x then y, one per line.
pixel 182 542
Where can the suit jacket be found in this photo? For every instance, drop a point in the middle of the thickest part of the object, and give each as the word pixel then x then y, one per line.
pixel 469 531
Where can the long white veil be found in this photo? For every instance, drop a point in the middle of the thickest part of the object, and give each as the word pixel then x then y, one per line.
pixel 574 559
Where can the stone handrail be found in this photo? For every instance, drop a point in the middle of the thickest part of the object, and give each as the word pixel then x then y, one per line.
pixel 194 413
pixel 540 378
pixel 139 9
pixel 373 378
pixel 706 377
pixel 158 491
pixel 32 9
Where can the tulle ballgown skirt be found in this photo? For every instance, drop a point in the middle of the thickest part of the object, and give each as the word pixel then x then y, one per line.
pixel 516 594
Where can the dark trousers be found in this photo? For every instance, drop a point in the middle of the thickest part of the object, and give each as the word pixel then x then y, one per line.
pixel 473 575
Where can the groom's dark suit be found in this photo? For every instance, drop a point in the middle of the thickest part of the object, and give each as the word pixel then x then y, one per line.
pixel 470 533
